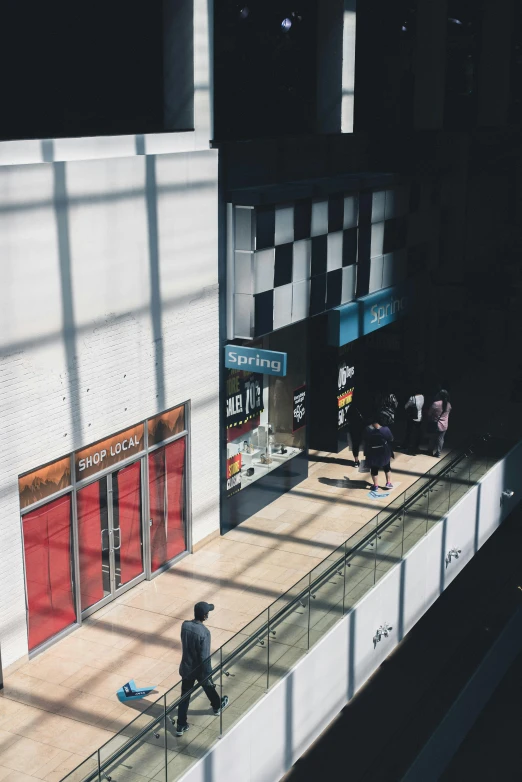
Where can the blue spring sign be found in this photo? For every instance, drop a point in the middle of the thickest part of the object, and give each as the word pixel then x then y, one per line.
pixel 372 312
pixel 264 362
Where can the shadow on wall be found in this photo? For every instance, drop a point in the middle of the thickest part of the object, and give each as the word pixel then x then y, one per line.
pixel 70 332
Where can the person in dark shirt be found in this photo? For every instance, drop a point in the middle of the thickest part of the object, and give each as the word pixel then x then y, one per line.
pixel 378 451
pixel 196 665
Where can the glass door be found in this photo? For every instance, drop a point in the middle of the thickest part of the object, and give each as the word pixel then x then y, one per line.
pixel 167 503
pixel 127 528
pixel 110 536
pixel 93 540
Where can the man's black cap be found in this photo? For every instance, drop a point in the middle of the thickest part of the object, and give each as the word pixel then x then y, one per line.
pixel 202 609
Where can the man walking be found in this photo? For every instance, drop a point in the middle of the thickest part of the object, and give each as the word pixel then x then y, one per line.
pixel 196 664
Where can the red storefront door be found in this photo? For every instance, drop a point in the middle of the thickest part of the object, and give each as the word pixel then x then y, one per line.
pixel 167 503
pixel 110 535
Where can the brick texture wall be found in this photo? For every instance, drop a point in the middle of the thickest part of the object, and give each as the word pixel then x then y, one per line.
pixel 108 314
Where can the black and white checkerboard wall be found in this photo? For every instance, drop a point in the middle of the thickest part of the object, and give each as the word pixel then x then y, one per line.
pixel 292 261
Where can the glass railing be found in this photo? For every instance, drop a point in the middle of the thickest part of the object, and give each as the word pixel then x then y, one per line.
pixel 266 650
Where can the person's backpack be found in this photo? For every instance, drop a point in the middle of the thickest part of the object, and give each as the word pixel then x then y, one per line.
pixel 411 410
pixel 388 407
pixel 376 443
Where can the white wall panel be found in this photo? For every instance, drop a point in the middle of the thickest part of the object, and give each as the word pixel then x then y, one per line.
pixel 319 218
pixel 108 314
pixel 284 224
pixel 460 535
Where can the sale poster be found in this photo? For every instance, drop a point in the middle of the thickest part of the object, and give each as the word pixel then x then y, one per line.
pixel 299 414
pixel 244 396
pixel 233 474
pixel 345 389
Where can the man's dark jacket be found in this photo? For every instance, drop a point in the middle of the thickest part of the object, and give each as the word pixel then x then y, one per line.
pixel 195 643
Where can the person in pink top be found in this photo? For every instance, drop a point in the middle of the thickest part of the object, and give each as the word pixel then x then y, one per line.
pixel 436 417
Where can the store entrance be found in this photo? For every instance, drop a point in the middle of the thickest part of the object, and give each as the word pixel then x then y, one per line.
pixel 110 536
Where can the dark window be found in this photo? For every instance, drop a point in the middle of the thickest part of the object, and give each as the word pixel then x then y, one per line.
pixel 80 69
pixel 319 254
pixel 283 264
pixel 264 313
pixel 265 227
pixel 264 68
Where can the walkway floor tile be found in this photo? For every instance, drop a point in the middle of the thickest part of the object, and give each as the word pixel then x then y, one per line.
pixel 58 708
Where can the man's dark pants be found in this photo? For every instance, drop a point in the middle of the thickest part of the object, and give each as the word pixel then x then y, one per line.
pixel 210 691
pixel 413 435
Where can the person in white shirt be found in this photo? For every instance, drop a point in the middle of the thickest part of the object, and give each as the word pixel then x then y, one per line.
pixel 413 409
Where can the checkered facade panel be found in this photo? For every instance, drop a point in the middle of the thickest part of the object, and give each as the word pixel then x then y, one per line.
pixel 293 261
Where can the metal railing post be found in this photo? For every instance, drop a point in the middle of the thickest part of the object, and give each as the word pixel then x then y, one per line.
pixel 345 557
pixel 403 517
pixel 221 689
pixel 309 608
pixel 165 733
pixel 268 652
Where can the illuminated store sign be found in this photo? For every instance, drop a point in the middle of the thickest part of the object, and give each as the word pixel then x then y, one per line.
pixel 372 312
pixel 265 362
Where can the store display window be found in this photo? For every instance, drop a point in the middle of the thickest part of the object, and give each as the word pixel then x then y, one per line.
pixel 266 415
pixel 97 522
pixel 48 570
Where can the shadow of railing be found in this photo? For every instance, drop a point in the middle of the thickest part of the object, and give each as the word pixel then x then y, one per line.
pixel 300 617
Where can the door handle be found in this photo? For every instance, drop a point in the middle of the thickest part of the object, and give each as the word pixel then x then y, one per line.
pixel 118 530
pixel 107 531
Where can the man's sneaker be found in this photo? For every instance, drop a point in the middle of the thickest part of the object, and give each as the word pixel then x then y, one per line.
pixel 224 704
pixel 181 729
pixel 389 485
pixel 437 455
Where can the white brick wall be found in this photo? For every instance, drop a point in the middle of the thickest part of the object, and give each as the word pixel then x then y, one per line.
pixel 104 320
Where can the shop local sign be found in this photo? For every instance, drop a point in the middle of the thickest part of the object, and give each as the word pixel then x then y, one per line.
pixel 108 452
pixel 265 362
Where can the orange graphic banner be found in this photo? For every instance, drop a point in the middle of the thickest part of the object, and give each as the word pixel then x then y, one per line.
pixel 45 481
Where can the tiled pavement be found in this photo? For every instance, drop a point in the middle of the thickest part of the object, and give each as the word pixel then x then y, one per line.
pixel 61 706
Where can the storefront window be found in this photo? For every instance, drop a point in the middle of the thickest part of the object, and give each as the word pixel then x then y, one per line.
pixel 266 425
pixel 167 505
pixel 103 509
pixel 47 548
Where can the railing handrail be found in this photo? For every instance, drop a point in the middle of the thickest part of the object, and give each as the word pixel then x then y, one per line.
pixel 446 466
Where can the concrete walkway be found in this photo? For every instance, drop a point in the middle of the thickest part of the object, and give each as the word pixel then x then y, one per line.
pixel 61 706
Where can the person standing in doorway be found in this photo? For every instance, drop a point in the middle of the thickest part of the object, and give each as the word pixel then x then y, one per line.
pixel 378 451
pixel 413 409
pixel 436 417
pixel 356 424
pixel 196 666
pixel 386 406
